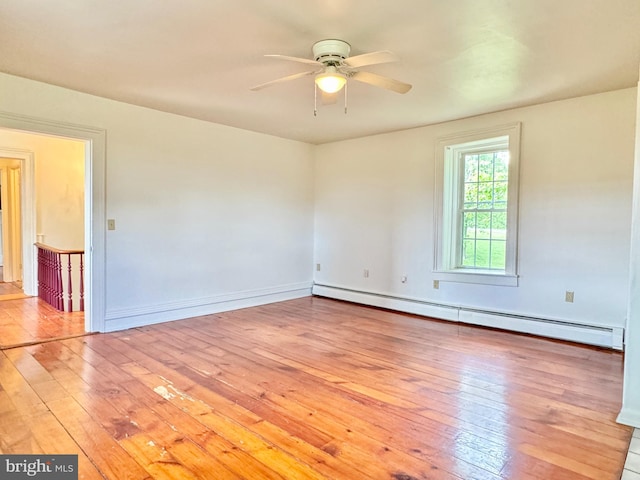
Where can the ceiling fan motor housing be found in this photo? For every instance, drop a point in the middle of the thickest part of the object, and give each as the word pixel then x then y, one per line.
pixel 331 51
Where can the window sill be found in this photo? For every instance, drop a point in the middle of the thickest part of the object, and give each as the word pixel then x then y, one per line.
pixel 477 276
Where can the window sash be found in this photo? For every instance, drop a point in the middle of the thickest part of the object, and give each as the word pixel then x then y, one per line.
pixel 460 234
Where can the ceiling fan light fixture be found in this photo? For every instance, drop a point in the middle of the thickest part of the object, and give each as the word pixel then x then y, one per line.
pixel 331 81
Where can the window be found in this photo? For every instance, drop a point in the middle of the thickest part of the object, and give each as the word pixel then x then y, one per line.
pixel 476 201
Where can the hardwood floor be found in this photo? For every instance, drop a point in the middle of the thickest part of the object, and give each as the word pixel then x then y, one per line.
pixel 317 389
pixel 29 320
pixel 10 291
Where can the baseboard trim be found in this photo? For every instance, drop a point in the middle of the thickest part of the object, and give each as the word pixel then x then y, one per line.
pixel 629 416
pixel 121 319
pixel 600 335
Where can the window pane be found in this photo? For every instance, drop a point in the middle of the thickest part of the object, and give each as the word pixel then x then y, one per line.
pixel 483 225
pixel 483 250
pixel 498 254
pixel 500 192
pixel 485 167
pixel 469 225
pixel 468 253
pixel 485 195
pixel 470 195
pixel 471 168
pixel 499 225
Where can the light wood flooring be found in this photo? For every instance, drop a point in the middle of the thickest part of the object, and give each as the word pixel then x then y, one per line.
pixel 29 320
pixel 317 389
pixel 10 291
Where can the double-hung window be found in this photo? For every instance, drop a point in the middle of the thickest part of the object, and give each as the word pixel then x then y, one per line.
pixel 476 206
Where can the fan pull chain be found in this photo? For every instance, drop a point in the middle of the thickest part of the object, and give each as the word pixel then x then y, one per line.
pixel 345 97
pixel 315 99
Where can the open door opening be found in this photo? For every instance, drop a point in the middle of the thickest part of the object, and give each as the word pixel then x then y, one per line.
pixel 37 205
pixel 11 221
pixel 11 246
pixel 94 143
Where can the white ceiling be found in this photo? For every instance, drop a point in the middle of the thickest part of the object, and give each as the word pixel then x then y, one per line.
pixel 199 58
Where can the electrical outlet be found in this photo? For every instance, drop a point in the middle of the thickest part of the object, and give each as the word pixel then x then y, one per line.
pixel 317 267
pixel 436 284
pixel 366 273
pixel 568 296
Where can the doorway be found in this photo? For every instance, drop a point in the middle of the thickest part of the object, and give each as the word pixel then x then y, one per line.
pixel 11 246
pixel 57 195
pixel 93 141
pixel 10 223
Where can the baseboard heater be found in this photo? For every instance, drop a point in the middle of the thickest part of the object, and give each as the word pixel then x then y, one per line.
pixel 600 335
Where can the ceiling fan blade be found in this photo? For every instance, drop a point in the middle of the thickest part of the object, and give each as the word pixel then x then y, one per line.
pixel 329 98
pixel 295 59
pixel 283 79
pixel 382 82
pixel 373 58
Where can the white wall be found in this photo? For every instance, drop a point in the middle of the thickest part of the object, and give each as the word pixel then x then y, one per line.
pixel 207 217
pixel 630 413
pixel 375 200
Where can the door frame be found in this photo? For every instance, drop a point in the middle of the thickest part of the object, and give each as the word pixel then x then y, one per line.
pixel 94 205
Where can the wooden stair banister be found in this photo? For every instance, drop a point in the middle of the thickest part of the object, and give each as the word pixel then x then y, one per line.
pixel 51 287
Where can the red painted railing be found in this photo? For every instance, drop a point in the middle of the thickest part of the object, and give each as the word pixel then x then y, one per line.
pixel 54 284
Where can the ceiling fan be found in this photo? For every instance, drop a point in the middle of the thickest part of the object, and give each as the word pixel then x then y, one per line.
pixel 334 66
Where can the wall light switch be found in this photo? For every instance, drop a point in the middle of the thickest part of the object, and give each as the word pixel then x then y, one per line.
pixel 111 224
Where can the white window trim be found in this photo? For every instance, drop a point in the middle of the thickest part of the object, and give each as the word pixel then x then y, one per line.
pixel 445 268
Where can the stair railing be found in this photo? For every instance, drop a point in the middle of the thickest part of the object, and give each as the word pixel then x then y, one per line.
pixel 54 287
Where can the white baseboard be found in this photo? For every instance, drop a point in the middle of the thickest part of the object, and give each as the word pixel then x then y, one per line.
pixel 601 335
pixel 385 301
pixel 629 416
pixel 121 319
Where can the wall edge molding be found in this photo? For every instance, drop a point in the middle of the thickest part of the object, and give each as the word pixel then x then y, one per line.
pixel 629 416
pixel 121 319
